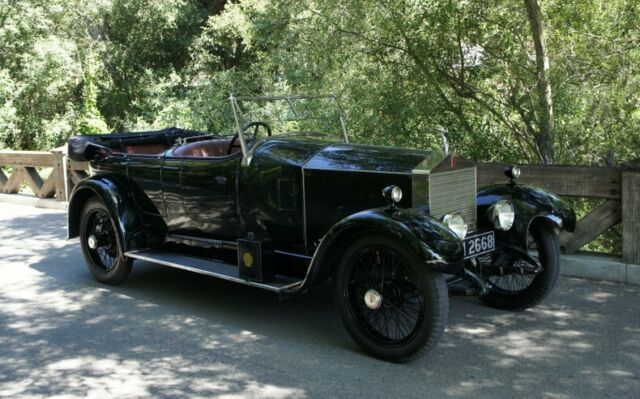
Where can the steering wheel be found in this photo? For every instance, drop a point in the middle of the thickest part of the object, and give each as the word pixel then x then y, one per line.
pixel 256 125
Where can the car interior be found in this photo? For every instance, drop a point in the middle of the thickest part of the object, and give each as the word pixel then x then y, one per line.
pixel 170 142
pixel 205 149
pixel 199 147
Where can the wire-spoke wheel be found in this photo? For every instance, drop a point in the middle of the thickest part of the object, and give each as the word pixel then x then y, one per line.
pixel 524 288
pixel 515 283
pixel 390 303
pixel 98 236
pixel 101 242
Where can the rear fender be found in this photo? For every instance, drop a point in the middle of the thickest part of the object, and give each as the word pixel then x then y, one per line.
pixel 532 205
pixel 134 230
pixel 438 246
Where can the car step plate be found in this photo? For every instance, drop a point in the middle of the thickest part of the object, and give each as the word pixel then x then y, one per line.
pixel 208 267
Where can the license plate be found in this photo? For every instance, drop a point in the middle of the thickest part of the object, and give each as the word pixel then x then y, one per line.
pixel 479 244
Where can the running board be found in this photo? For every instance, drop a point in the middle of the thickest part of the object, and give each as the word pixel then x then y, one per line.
pixel 208 267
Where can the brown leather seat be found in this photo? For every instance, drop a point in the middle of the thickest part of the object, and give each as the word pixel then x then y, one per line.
pixel 205 148
pixel 146 149
pixel 151 149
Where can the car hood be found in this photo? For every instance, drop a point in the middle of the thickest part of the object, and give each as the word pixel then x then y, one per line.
pixel 367 158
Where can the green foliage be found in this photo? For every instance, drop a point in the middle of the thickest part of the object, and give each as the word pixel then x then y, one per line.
pixel 403 69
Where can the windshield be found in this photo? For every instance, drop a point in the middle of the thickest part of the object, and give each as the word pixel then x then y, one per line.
pixel 259 117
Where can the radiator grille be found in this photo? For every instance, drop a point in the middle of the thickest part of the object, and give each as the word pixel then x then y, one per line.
pixel 454 191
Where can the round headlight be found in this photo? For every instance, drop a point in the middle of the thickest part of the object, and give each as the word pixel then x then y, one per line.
pixel 396 194
pixel 503 215
pixel 512 172
pixel 456 224
pixel 392 193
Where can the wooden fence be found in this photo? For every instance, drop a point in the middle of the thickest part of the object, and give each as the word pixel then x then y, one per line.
pixel 47 174
pixel 619 187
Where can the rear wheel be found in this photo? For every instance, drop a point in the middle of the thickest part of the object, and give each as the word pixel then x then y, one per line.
pixel 390 303
pixel 100 248
pixel 519 291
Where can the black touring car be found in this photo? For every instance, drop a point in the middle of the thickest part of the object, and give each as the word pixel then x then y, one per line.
pixel 282 206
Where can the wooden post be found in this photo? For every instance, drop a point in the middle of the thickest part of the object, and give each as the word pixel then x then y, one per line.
pixel 68 177
pixel 631 217
pixel 60 170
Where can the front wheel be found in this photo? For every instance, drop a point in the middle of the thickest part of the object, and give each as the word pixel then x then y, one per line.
pixel 519 291
pixel 102 254
pixel 390 303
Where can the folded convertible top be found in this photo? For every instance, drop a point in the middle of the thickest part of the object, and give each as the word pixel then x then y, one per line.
pixel 117 141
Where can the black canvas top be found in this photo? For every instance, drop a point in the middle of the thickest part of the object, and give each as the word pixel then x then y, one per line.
pixel 116 141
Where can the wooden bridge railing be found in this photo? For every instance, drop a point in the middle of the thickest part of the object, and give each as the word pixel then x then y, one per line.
pixel 48 174
pixel 618 186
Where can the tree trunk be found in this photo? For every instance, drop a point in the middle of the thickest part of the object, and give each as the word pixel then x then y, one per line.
pixel 545 136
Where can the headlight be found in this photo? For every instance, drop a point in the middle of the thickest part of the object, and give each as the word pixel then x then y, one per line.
pixel 512 172
pixel 456 224
pixel 392 193
pixel 503 215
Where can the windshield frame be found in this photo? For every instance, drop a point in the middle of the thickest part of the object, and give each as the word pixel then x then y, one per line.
pixel 238 115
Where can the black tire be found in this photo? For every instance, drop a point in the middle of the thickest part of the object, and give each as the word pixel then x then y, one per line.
pixel 415 297
pixel 539 285
pixel 105 261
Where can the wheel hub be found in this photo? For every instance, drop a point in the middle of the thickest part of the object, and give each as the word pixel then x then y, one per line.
pixel 373 299
pixel 92 242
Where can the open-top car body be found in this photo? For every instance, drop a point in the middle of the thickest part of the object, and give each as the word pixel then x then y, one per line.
pixel 282 206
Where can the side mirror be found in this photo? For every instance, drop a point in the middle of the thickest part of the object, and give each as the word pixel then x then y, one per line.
pixel 95 152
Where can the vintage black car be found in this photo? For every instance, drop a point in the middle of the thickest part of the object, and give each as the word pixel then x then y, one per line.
pixel 283 207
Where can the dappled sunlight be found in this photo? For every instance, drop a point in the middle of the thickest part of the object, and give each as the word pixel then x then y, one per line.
pixel 167 333
pixel 621 373
pixel 114 377
pixel 266 391
pixel 555 395
pixel 565 333
pixel 599 297
pixel 506 337
pixel 473 330
pixel 38 229
pixel 100 349
pixel 568 333
pixel 560 314
pixel 468 387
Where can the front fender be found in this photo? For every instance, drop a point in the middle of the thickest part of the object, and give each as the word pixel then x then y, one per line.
pixel 530 203
pixel 113 190
pixel 438 246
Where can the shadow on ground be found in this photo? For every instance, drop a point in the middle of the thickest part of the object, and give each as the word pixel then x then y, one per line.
pixel 170 333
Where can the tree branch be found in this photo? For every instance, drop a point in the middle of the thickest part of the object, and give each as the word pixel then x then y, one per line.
pixel 545 136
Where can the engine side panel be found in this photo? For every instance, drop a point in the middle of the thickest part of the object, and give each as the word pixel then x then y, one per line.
pixel 331 196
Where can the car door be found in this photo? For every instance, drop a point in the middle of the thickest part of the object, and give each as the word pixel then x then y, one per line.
pixel 208 190
pixel 145 175
pixel 176 219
